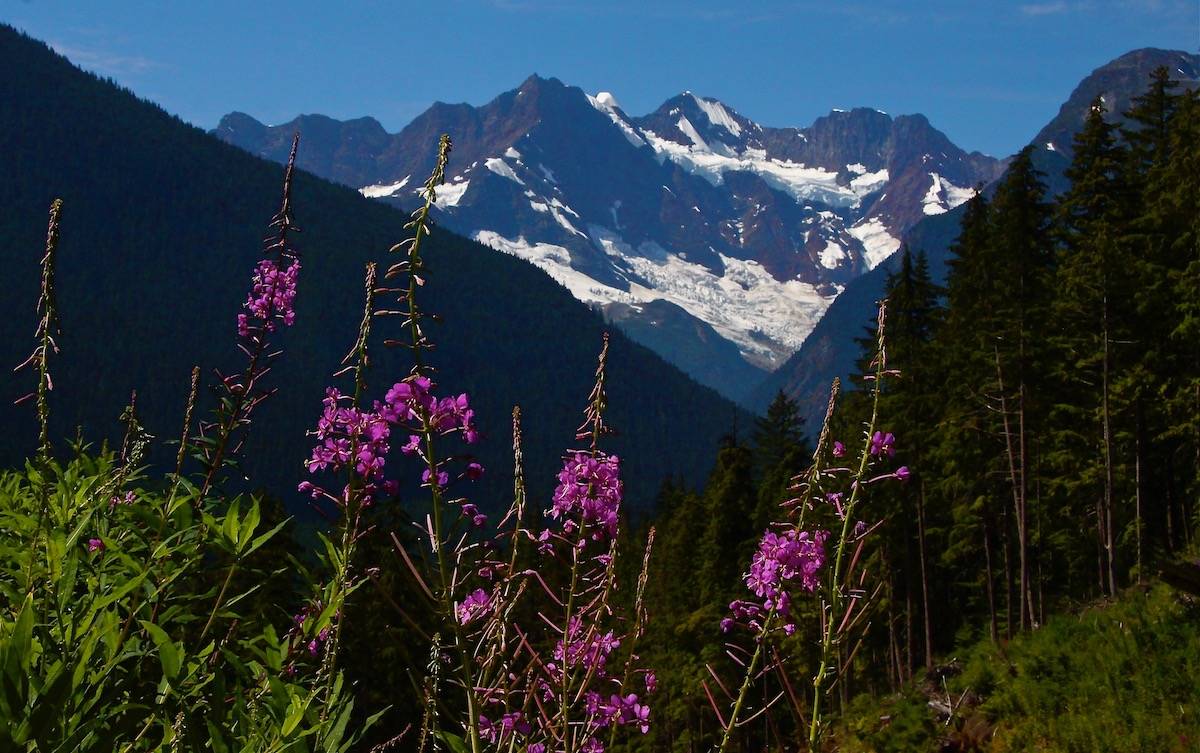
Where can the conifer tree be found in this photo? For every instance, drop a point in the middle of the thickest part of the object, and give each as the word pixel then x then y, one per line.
pixel 1091 313
pixel 1023 257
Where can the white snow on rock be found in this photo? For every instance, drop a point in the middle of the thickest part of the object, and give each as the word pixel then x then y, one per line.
pixel 607 101
pixel 380 190
pixel 607 104
pixel 556 262
pixel 878 242
pixel 832 255
pixel 943 195
pixel 500 167
pixel 867 182
pixel 799 181
pixel 765 318
pixel 689 130
pixel 512 153
pixel 450 194
pixel 718 115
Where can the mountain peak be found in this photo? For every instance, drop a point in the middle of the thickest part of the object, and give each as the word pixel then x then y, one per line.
pixel 1118 82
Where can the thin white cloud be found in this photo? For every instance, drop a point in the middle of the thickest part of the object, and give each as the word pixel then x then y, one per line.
pixel 105 62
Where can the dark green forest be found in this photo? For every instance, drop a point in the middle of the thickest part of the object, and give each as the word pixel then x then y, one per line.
pixel 1049 406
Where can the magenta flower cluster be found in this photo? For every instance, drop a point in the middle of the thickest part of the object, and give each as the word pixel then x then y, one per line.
pixel 883 443
pixel 783 561
pixel 271 299
pixel 474 606
pixel 587 648
pixel 618 709
pixel 350 437
pixel 589 487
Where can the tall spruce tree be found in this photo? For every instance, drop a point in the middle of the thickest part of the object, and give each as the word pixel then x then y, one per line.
pixel 1023 256
pixel 1092 317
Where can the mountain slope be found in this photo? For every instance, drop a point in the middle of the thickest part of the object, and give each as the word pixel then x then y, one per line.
pixel 831 349
pixel 162 227
pixel 692 219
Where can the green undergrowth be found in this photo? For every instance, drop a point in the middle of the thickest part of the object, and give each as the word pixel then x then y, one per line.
pixel 1120 677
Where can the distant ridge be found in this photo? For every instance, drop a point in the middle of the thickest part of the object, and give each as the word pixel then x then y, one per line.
pixel 714 240
pixel 161 229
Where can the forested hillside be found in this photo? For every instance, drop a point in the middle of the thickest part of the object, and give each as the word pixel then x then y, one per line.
pixel 162 223
pixel 1048 406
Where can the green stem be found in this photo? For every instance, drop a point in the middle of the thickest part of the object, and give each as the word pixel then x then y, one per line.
pixel 835 592
pixel 220 599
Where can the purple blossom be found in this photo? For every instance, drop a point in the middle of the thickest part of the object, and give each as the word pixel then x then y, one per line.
pixel 349 436
pixel 589 648
pixel 903 473
pixel 589 487
pixel 443 478
pixel 782 558
pixel 95 545
pixel 835 499
pixel 128 499
pixel 883 444
pixel 472 607
pixel 839 449
pixel 474 471
pixel 271 298
pixel 315 645
pixel 651 681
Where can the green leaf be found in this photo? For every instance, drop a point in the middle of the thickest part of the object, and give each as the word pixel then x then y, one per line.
pixel 230 529
pixel 21 637
pixel 246 529
pixel 264 538
pixel 455 743
pixel 168 652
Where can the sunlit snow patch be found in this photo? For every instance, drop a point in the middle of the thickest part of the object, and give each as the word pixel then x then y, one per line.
pixel 380 190
pixel 501 168
pixel 943 195
pixel 718 115
pixel 878 243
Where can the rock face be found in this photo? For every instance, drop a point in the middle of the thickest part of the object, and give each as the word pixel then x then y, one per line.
pixel 714 240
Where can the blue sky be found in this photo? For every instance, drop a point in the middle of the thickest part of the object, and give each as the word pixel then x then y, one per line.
pixel 989 74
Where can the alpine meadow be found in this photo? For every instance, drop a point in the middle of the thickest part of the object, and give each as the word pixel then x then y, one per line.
pixel 538 426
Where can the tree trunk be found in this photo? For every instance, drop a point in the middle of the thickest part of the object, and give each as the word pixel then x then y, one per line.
pixel 994 631
pixel 1017 481
pixel 1109 539
pixel 1137 483
pixel 928 620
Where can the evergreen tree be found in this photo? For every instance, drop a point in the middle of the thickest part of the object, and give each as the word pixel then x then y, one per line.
pixel 1091 313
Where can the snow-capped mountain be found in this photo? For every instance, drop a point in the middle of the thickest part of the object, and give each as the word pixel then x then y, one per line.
pixel 716 241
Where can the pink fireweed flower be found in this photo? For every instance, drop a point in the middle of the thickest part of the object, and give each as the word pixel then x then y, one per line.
pixel 271 299
pixel 116 500
pixel 472 607
pixel 589 487
pixel 95 545
pixel 651 681
pixel 839 449
pixel 443 478
pixel 835 499
pixel 782 558
pixel 883 444
pixel 902 473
